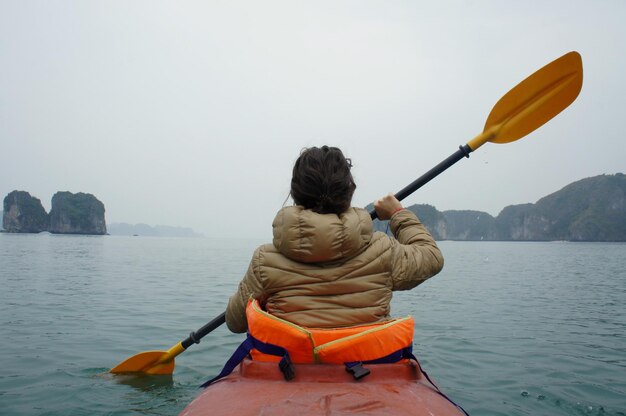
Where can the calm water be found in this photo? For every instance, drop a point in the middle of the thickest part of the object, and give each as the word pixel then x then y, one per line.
pixel 506 328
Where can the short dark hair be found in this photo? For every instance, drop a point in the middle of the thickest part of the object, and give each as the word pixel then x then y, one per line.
pixel 322 181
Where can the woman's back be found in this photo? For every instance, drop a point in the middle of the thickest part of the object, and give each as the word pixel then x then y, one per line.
pixel 328 270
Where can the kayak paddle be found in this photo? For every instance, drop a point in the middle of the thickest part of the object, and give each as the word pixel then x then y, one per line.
pixel 522 110
pixel 525 108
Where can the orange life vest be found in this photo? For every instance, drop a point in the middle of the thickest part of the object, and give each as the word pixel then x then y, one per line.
pixel 332 346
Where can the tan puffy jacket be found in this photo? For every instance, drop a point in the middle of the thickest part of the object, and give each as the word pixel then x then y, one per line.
pixel 327 270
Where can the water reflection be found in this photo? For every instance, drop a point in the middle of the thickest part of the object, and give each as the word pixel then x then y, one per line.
pixel 145 382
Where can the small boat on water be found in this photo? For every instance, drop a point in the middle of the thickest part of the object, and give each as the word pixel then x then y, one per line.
pixel 259 388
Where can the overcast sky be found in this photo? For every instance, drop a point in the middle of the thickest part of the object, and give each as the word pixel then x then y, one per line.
pixel 191 113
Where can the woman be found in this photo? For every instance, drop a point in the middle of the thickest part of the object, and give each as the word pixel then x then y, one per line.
pixel 325 267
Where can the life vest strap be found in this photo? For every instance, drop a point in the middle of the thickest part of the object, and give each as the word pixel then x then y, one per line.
pixel 394 357
pixel 285 365
pixel 442 393
pixel 358 371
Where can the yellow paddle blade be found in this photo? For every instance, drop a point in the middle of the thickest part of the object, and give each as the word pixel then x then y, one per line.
pixel 148 362
pixel 537 99
pixel 534 101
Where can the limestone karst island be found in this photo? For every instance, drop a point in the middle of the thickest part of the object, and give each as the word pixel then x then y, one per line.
pixel 70 213
pixel 591 209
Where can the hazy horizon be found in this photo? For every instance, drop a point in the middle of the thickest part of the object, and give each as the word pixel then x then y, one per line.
pixel 191 114
pixel 180 227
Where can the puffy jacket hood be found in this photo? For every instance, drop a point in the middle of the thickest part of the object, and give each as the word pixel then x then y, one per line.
pixel 308 237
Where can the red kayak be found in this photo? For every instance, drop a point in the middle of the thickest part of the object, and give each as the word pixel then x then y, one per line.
pixel 259 388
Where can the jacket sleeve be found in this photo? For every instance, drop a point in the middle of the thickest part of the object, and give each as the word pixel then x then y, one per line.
pixel 249 286
pixel 415 255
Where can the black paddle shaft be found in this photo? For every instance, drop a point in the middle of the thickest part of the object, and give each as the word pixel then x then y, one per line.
pixel 463 151
pixel 195 337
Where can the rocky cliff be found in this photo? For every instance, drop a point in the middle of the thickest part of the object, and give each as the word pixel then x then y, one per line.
pixel 70 214
pixel 592 209
pixel 23 213
pixel 76 214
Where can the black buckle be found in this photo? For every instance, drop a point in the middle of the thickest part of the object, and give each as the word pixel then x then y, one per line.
pixel 357 370
pixel 287 368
